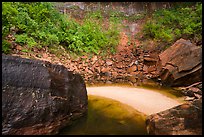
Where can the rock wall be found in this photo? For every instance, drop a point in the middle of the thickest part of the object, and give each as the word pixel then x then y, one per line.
pixel 39 97
pixel 128 8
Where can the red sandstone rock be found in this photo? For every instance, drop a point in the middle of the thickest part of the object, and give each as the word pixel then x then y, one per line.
pixel 151 68
pixel 145 69
pixel 109 62
pixel 132 69
pixel 105 69
pixel 114 74
pixel 119 65
pixel 185 119
pixel 181 64
pixel 139 67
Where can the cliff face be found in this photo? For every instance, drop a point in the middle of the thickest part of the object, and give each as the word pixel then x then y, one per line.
pixel 39 97
pixel 128 8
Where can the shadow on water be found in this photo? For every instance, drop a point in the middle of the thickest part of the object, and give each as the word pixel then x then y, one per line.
pixel 108 117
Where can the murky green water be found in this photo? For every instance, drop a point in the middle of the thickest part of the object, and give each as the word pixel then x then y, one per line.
pixel 108 117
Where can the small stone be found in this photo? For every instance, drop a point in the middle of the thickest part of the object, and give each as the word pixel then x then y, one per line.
pixel 139 67
pixel 119 65
pixel 189 98
pixel 44 55
pixel 145 69
pixel 136 62
pixel 108 82
pixel 197 96
pixel 18 47
pixel 114 74
pixel 105 69
pixel 151 68
pixel 109 62
pixel 132 69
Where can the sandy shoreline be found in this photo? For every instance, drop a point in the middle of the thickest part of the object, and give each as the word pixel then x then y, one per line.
pixel 144 100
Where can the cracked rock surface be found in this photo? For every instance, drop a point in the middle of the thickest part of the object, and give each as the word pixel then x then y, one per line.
pixel 181 64
pixel 39 97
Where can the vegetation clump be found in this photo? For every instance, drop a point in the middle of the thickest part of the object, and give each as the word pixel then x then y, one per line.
pixel 168 25
pixel 39 24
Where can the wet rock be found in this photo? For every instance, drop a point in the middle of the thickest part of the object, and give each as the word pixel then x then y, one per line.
pixel 189 98
pixel 185 119
pixel 197 96
pixel 191 91
pixel 39 97
pixel 179 62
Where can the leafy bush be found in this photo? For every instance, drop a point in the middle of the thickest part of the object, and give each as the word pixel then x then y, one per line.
pixel 6 47
pixel 39 23
pixel 168 25
pixel 24 39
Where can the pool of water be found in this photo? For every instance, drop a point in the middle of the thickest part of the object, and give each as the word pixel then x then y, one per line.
pixel 108 117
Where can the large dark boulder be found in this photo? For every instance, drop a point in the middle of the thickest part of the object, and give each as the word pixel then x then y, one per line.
pixel 181 64
pixel 185 119
pixel 39 97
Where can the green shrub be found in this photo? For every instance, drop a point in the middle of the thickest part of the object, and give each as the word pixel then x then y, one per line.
pixel 39 23
pixel 6 47
pixel 168 25
pixel 23 39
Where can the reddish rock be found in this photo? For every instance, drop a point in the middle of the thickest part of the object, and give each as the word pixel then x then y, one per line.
pixel 181 64
pixel 119 65
pixel 94 59
pixel 139 67
pixel 132 79
pixel 118 58
pixel 132 69
pixel 84 57
pixel 105 69
pixel 18 47
pixel 44 55
pixel 151 68
pixel 109 62
pixel 114 74
pixel 185 119
pixel 145 69
pixel 134 73
pixel 150 59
